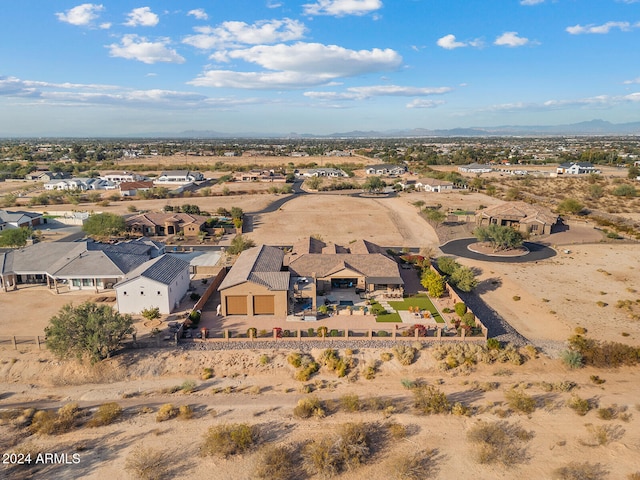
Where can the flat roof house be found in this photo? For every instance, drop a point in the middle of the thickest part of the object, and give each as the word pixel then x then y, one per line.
pixel 475 168
pixel 386 169
pixel 178 177
pixel 433 185
pixel 576 168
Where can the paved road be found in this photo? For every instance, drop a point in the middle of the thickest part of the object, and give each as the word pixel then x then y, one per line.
pixel 459 248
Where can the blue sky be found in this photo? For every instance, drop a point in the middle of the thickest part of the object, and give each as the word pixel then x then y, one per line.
pixel 317 66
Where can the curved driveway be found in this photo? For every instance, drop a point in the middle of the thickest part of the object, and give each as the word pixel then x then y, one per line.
pixel 459 248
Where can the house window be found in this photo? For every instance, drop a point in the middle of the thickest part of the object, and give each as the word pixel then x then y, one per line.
pixel 86 282
pixel 534 228
pixel 75 282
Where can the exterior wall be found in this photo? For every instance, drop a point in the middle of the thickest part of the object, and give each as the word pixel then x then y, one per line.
pixel 140 293
pixel 91 283
pixel 250 289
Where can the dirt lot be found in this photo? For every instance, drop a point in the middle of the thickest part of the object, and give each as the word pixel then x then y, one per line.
pixel 246 389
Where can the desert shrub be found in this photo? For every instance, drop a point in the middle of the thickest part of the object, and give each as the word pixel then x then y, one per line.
pixel 305 373
pixel 252 332
pixel 386 356
pixel 460 409
pixel 334 363
pixel 572 359
pixel 634 476
pixel 603 434
pixel 106 414
pixel 309 407
pixel 519 401
pixel 579 405
pixel 604 354
pixel 408 384
pixel 580 471
pixel 499 442
pixel 350 448
pixel 563 386
pixel 230 439
pixel 206 373
pixel 493 344
pixel 460 308
pixel 294 359
pixel 609 413
pixel 46 422
pixel 147 463
pixel 580 330
pixel 188 386
pixel 350 403
pixel 369 371
pixel 348 352
pixel 397 430
pixel 429 400
pixel 404 353
pixel 166 412
pixel 412 466
pixel 276 462
pixel 264 359
pixel 596 379
pixel 185 412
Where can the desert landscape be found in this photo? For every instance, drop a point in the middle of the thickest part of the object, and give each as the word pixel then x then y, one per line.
pixel 582 286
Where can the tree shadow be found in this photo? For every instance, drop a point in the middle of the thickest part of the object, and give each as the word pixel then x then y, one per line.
pixel 488 285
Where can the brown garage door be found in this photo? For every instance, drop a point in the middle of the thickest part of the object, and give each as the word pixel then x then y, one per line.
pixel 237 305
pixel 263 305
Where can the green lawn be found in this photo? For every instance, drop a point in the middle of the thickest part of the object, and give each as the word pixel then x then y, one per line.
pixel 421 301
pixel 389 318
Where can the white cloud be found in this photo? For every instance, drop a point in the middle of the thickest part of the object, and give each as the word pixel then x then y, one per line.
pixel 601 29
pixel 134 47
pixel 315 58
pixel 82 15
pixel 272 4
pixel 449 42
pixel 199 13
pixel 531 2
pixel 339 8
pixel 511 39
pixel 422 103
pixel 240 33
pixel 142 17
pixel 74 94
pixel 258 80
pixel 631 82
pixel 362 93
pixel 105 26
pixel 598 102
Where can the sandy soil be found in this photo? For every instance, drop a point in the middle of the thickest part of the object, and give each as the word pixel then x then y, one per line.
pixel 561 293
pixel 136 380
pixel 342 219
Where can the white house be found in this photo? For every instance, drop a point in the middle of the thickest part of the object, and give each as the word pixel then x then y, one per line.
pixel 119 177
pixel 17 219
pixel 160 282
pixel 433 185
pixel 386 169
pixel 325 172
pixel 81 184
pixel 178 177
pixel 475 168
pixel 576 168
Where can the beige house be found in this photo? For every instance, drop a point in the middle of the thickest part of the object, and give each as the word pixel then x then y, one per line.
pixel 535 219
pixel 257 284
pixel 265 281
pixel 152 224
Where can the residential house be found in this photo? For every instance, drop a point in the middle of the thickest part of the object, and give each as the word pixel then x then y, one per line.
pixel 46 176
pixel 264 281
pixel 475 168
pixel 152 224
pixel 386 169
pixel 161 282
pixel 576 168
pixel 257 284
pixel 17 219
pixel 535 219
pixel 121 177
pixel 178 177
pixel 77 265
pixel 259 176
pixel 434 185
pixel 131 189
pixel 325 172
pixel 80 184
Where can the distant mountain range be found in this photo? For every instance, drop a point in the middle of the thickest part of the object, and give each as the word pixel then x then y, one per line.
pixel 593 127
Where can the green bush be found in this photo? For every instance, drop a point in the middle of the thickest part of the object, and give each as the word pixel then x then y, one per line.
pixel 230 439
pixel 460 309
pixel 350 403
pixel 493 344
pixel 206 373
pixel 405 354
pixel 252 332
pixel 294 359
pixel 572 359
pixel 166 412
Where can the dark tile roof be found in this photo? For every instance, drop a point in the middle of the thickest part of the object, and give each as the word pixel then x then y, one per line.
pixel 163 269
